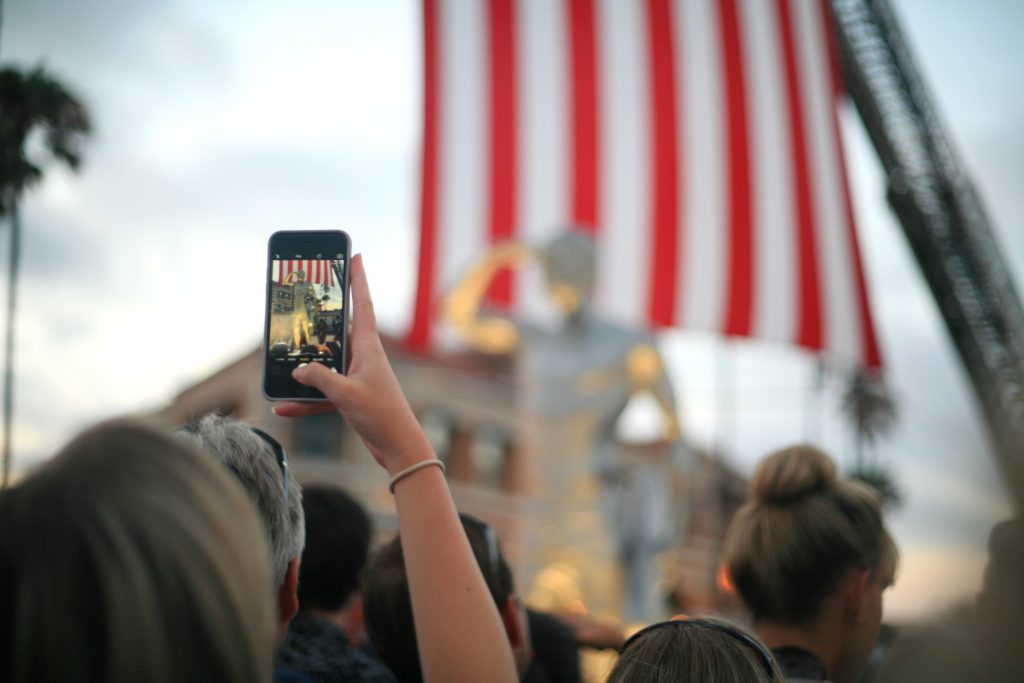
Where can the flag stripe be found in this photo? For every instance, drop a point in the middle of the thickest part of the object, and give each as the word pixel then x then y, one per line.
pixel 869 341
pixel 624 250
pixel 501 25
pixel 463 144
pixel 584 114
pixel 702 254
pixel 773 277
pixel 808 331
pixel 664 144
pixel 544 120
pixel 739 296
pixel 841 324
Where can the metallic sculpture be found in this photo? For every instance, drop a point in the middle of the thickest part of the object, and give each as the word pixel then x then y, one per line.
pixel 578 378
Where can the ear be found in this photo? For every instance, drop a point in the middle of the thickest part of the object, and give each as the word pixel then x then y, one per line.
pixel 511 617
pixel 355 630
pixel 854 590
pixel 288 592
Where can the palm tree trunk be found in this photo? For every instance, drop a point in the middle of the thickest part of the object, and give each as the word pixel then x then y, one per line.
pixel 12 298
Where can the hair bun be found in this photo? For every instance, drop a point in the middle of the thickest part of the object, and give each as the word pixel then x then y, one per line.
pixel 791 474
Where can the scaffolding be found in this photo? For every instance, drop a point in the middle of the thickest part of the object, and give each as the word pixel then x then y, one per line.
pixel 943 218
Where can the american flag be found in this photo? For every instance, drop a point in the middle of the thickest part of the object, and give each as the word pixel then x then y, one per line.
pixel 318 271
pixel 697 140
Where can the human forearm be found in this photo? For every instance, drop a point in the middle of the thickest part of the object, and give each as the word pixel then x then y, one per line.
pixel 459 634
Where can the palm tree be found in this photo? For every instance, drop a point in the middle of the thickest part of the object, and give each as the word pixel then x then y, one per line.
pixel 872 412
pixel 33 103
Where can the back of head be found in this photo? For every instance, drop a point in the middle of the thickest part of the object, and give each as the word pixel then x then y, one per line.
pixel 131 557
pixel 338 535
pixel 387 612
pixel 387 607
pixel 251 457
pixel 698 650
pixel 801 531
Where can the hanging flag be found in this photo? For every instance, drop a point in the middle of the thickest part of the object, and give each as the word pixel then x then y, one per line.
pixel 318 271
pixel 696 140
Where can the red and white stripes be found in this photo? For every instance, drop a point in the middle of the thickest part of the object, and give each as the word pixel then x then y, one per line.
pixel 317 271
pixel 696 139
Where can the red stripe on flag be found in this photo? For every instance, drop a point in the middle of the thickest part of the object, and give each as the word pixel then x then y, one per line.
pixel 664 150
pixel 871 355
pixel 808 332
pixel 419 334
pixel 739 288
pixel 501 27
pixel 584 111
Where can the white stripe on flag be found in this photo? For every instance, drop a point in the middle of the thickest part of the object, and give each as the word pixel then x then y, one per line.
pixel 542 49
pixel 624 241
pixel 463 219
pixel 842 324
pixel 775 293
pixel 703 256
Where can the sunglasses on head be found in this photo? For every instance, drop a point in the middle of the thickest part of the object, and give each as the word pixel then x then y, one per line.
pixel 280 454
pixel 763 655
pixel 477 526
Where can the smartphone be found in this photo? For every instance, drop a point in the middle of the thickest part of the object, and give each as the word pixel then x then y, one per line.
pixel 307 309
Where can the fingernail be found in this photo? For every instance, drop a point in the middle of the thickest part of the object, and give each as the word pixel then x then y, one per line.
pixel 298 372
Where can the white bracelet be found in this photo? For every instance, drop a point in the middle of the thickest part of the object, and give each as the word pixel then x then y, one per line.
pixel 413 468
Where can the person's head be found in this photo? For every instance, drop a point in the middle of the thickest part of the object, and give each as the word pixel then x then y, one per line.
pixel 131 557
pixel 705 650
pixel 260 464
pixel 387 608
pixel 338 533
pixel 806 541
pixel 569 264
pixel 1000 603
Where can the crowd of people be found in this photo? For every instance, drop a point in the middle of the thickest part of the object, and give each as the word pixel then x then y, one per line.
pixel 140 553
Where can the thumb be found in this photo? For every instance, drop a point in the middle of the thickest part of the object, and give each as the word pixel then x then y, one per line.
pixel 331 384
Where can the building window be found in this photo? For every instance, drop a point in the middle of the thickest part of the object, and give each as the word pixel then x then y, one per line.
pixel 437 425
pixel 319 436
pixel 488 451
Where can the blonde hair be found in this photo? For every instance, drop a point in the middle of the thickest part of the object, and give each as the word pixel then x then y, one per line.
pixel 801 531
pixel 131 556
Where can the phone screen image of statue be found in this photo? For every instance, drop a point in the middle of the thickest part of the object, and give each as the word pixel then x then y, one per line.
pixel 307 316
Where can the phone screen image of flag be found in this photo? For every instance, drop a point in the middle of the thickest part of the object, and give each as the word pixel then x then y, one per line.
pixel 315 271
pixel 696 141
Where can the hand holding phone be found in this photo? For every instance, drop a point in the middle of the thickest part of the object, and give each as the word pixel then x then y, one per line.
pixel 307 309
pixel 369 397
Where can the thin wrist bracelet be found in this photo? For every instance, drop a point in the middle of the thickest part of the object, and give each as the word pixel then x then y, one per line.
pixel 413 468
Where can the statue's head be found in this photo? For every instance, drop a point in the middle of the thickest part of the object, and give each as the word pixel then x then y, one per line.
pixel 569 262
pixel 300 276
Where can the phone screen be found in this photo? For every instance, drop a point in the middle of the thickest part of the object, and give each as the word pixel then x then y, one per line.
pixel 307 316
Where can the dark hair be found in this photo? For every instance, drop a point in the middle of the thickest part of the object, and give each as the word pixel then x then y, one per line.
pixel 706 650
pixel 387 608
pixel 338 533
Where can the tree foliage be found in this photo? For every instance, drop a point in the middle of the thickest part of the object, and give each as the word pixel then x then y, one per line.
pixel 34 101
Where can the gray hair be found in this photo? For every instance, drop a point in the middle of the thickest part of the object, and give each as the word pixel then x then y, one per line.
pixel 253 462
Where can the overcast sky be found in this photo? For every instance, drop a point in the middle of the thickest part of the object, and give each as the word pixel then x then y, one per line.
pixel 218 123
